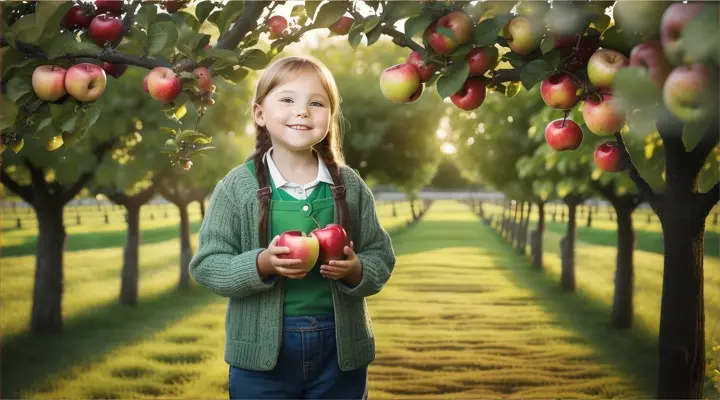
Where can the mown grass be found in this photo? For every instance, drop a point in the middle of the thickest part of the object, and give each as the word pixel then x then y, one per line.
pixel 463 316
pixel 95 326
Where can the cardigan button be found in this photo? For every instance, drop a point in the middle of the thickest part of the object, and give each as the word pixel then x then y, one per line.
pixel 305 207
pixel 269 363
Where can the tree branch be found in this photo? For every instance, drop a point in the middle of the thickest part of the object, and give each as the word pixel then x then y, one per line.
pixel 607 191
pixel 700 153
pixel 25 192
pixel 249 16
pixel 709 199
pixel 505 75
pixel 114 57
pixel 401 39
pixel 643 187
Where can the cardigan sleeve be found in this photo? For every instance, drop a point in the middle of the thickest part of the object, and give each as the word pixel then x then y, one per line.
pixel 220 264
pixel 375 250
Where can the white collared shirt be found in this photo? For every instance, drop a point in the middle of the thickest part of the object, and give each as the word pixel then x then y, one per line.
pixel 300 192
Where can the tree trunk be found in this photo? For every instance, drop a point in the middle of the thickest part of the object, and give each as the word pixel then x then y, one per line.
pixel 185 249
pixel 47 293
pixel 394 210
pixel 412 210
pixel 589 218
pixel 525 226
pixel 519 223
pixel 538 256
pixel 682 319
pixel 130 270
pixel 567 281
pixel 622 311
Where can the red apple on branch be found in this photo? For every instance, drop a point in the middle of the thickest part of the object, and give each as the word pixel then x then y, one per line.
pixel 560 91
pixel 676 17
pixel 608 156
pixel 472 94
pixel 690 92
pixel 341 26
pixel 563 134
pixel 76 18
pixel 276 25
pixel 105 28
pixel 425 71
pixel 400 83
pixel 85 82
pixel 604 65
pixel 302 247
pixel 481 60
pixel 48 82
pixel 601 116
pixel 114 70
pixel 204 78
pixel 163 85
pixel 462 29
pixel 113 7
pixel 650 56
pixel 332 240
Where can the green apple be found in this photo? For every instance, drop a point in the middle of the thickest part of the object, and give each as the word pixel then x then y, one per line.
pixel 604 65
pixel 524 36
pixel 400 83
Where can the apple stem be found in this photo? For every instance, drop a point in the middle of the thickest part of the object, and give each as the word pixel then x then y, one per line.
pixel 567 113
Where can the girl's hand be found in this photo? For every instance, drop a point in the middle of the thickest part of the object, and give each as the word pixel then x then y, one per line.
pixel 287 267
pixel 349 269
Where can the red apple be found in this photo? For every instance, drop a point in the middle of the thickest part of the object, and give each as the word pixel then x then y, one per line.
pixel 425 72
pixel 85 82
pixel 163 85
pixel 172 6
pixel 341 26
pixel 461 26
pixel 650 56
pixel 114 70
pixel 471 96
pixel 48 82
pixel 400 83
pixel 608 157
pixel 481 60
pixel 601 116
pixel 332 240
pixel 563 134
pixel 559 91
pixel 674 20
pixel 105 28
pixel 76 18
pixel 302 247
pixel 523 35
pixel 604 65
pixel 276 25
pixel 113 7
pixel 690 92
pixel 204 78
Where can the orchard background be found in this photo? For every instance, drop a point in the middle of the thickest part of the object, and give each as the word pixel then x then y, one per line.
pixel 548 172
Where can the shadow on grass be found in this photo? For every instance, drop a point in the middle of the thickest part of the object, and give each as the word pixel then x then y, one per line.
pixel 101 240
pixel 646 241
pixel 633 352
pixel 28 360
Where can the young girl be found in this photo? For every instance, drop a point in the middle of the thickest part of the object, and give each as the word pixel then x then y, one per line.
pixel 293 332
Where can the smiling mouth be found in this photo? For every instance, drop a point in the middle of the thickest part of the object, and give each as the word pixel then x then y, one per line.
pixel 300 127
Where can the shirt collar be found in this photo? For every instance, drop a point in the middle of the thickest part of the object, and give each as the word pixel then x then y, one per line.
pixel 279 180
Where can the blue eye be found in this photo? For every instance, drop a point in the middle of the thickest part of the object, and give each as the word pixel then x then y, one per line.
pixel 288 99
pixel 318 103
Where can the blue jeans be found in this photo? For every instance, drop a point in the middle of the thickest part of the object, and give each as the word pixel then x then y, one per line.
pixel 307 367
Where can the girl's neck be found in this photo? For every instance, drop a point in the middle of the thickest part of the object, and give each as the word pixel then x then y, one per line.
pixel 297 166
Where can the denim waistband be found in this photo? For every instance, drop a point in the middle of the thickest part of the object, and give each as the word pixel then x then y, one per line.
pixel 308 323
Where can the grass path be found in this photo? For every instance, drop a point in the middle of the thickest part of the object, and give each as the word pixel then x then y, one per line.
pixel 463 317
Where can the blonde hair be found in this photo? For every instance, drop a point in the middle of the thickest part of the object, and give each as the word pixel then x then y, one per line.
pixel 330 148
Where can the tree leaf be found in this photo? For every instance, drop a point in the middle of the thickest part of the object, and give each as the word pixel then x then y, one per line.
pixel 255 59
pixel 513 88
pixel 370 23
pixel 298 11
pixel 355 35
pixel 330 12
pixel 203 10
pixel 487 31
pixel 161 35
pixel 693 133
pixel 445 31
pixel 396 10
pixel 67 43
pixel 546 45
pixel 146 15
pixel 229 13
pixel 374 35
pixel 418 24
pixel 461 51
pixel 311 7
pixel 701 37
pixel 8 112
pixel 16 88
pixel 534 72
pixel 451 83
pixel 92 113
pixel 632 89
pixel 600 21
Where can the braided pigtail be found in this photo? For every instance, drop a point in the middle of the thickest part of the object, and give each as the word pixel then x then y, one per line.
pixel 262 145
pixel 338 188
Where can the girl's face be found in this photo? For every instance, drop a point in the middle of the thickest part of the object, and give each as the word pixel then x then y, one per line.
pixel 296 113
